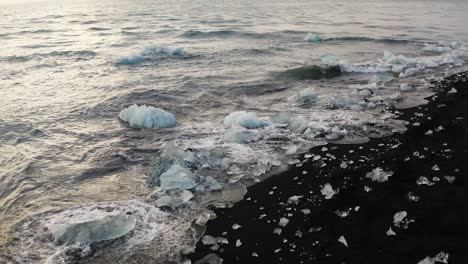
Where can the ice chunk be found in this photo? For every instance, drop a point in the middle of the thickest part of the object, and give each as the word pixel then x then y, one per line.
pixel 379 175
pixel 294 199
pixel 211 184
pixel 208 240
pixel 238 135
pixel 449 179
pixel 390 232
pixel 79 229
pixel 277 231
pixel 147 117
pixel 177 177
pixel 306 98
pixel 409 72
pixel 238 243
pixel 210 259
pixel 293 123
pixel 381 78
pixel 405 87
pixel 313 38
pixel 329 59
pixel 170 155
pixel 148 51
pixel 424 181
pixel 236 226
pixel 328 191
pixel 442 257
pixel 436 48
pixel 283 221
pixel 342 240
pixel 131 59
pixel 398 217
pixel 427 260
pixel 245 119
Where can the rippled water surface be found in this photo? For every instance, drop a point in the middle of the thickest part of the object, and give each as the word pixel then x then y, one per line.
pixel 67 69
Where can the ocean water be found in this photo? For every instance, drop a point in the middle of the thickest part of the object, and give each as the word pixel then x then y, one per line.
pixel 67 69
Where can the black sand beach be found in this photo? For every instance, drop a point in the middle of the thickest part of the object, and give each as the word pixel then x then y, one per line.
pixel 437 214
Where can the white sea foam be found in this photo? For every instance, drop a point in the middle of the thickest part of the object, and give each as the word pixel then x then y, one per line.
pixel 148 53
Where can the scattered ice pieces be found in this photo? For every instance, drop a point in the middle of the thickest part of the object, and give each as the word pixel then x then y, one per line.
pixel 390 232
pixel 283 221
pixel 343 241
pixel 412 198
pixel 379 175
pixel 328 191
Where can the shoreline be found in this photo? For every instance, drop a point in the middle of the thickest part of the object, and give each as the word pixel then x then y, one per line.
pixel 363 210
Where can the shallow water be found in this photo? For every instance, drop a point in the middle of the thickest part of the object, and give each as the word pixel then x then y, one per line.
pixel 62 86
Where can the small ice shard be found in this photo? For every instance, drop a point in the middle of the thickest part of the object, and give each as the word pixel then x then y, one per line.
pixel 283 221
pixel 210 259
pixel 329 59
pixel 436 48
pixel 78 229
pixel 342 239
pixel 293 123
pixel 177 177
pixel 409 72
pixel 238 243
pixel 427 260
pixel 131 59
pixel 398 217
pixel 254 254
pixel 222 240
pixel 381 78
pixel 412 198
pixel 343 213
pixel 442 257
pixel 328 191
pixel 435 168
pixel 311 37
pixel 429 132
pixel 211 184
pixel 305 211
pixel 236 226
pixel 298 233
pixel 208 240
pixel 204 217
pixel 390 232
pixel 435 179
pixel 186 196
pixel 294 199
pixel 149 51
pixel 405 87
pixel 187 250
pixel 291 150
pixel 452 91
pixel 306 98
pixel 424 181
pixel 379 175
pixel 238 135
pixel 244 119
pixel 449 179
pixel 147 117
pixel 277 231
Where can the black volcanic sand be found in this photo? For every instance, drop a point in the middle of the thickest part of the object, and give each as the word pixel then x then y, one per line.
pixel 440 215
